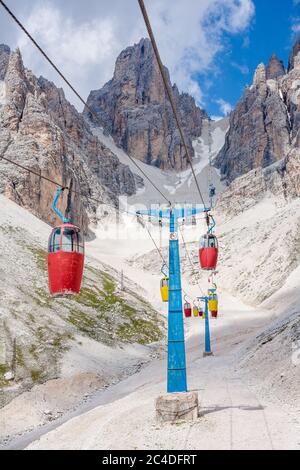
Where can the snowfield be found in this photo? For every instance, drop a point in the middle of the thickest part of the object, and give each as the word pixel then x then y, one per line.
pixel 232 414
pixel 105 395
pixel 248 391
pixel 180 186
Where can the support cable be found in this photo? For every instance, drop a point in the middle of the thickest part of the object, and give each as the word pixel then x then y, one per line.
pixel 190 261
pixel 210 154
pixel 160 253
pixel 95 116
pixel 155 244
pixel 169 93
pixel 60 185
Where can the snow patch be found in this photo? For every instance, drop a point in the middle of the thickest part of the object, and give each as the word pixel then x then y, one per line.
pixel 107 421
pixel 201 145
pixel 2 93
pixel 176 186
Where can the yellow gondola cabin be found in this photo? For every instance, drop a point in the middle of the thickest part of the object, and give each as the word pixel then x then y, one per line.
pixel 213 303
pixel 164 289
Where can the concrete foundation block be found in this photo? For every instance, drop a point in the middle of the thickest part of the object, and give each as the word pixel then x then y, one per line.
pixel 208 354
pixel 176 407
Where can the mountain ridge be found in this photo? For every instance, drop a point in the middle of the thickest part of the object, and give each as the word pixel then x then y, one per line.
pixel 265 124
pixel 40 129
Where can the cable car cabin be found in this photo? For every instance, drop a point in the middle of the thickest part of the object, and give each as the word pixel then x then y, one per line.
pixel 187 310
pixel 201 313
pixel 196 311
pixel 164 289
pixel 213 303
pixel 65 260
pixel 208 252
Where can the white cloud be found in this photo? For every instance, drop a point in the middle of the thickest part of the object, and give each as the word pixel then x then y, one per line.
pixel 244 69
pixel 246 42
pixel 77 49
pixel 189 34
pixel 217 118
pixel 296 27
pixel 224 106
pixel 295 24
pixel 240 12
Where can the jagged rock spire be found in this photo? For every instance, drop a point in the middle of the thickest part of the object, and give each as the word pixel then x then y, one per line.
pixel 295 52
pixel 260 79
pixel 275 68
pixel 134 109
pixel 260 125
pixel 4 58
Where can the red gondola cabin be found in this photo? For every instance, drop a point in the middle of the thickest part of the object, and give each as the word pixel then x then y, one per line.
pixel 208 252
pixel 65 260
pixel 187 310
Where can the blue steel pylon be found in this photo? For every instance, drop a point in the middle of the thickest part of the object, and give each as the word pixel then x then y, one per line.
pixel 207 348
pixel 177 380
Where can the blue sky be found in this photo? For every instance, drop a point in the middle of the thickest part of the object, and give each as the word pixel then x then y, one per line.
pixel 273 29
pixel 211 47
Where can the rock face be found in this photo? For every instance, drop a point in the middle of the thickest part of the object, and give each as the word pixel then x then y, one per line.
pixel 275 68
pixel 4 58
pixel 281 180
pixel 264 127
pixel 41 130
pixel 134 109
pixel 294 53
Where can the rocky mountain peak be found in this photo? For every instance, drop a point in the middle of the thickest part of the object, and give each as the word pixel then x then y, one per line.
pixel 137 65
pixel 295 52
pixel 275 68
pixel 264 127
pixel 297 61
pixel 134 109
pixel 15 64
pixel 260 78
pixel 4 49
pixel 16 90
pixel 4 58
pixel 41 130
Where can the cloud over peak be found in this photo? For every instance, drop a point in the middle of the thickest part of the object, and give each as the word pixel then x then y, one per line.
pixel 189 35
